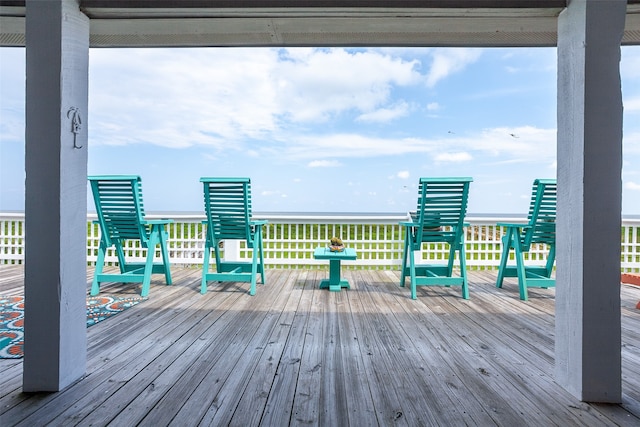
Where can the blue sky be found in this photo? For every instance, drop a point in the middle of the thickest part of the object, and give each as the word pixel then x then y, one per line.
pixel 320 130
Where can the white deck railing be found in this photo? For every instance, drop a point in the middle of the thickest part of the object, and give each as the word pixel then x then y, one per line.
pixel 290 239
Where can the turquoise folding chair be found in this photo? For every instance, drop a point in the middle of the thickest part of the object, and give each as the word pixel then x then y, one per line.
pixel 540 229
pixel 439 218
pixel 227 204
pixel 120 210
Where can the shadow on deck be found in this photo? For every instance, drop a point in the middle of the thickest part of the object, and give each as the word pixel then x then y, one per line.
pixel 294 354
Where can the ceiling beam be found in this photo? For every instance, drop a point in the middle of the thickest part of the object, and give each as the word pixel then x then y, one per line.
pixel 288 23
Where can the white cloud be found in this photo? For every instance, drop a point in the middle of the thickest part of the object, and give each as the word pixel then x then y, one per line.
pixel 524 143
pixel 186 97
pixel 631 142
pixel 633 186
pixel 273 193
pixel 12 97
pixel 180 97
pixel 400 109
pixel 453 157
pixel 324 164
pixel 433 106
pixel 630 63
pixel 314 84
pixel 449 61
pixel 632 105
pixel 349 145
pixel 500 93
pixel 509 145
pixel 403 174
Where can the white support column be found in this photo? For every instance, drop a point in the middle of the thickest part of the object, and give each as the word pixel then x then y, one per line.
pixel 57 56
pixel 587 349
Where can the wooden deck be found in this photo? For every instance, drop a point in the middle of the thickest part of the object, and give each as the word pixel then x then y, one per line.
pixel 297 355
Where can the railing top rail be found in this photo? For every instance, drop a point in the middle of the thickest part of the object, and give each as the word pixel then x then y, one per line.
pixel 327 218
pixel 11 215
pixel 332 218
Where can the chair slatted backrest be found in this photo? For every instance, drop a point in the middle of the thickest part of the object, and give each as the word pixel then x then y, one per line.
pixel 442 206
pixel 542 214
pixel 119 206
pixel 227 203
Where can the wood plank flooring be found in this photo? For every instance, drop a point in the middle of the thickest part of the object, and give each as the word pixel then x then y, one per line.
pixel 294 354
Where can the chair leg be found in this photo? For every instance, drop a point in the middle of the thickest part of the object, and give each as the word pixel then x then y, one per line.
pixel 451 260
pixel 95 286
pixel 522 273
pixel 165 253
pixel 205 267
pixel 404 259
pixel 412 268
pixel 261 257
pixel 254 271
pixel 463 272
pixel 506 248
pixel 216 250
pixel 551 257
pixel 148 267
pixel 122 261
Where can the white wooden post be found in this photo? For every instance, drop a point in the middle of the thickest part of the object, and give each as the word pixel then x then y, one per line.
pixel 57 65
pixel 588 359
pixel 232 250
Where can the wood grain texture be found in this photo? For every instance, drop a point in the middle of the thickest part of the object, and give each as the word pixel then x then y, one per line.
pixel 295 354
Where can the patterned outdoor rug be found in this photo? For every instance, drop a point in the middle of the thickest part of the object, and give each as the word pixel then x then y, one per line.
pixel 12 319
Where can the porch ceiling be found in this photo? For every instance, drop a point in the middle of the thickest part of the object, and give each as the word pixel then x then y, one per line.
pixel 175 23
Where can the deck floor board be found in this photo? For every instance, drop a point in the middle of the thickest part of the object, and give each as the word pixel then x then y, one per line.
pixel 295 354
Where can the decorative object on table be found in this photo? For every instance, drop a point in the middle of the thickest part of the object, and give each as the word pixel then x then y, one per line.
pixel 336 245
pixel 99 308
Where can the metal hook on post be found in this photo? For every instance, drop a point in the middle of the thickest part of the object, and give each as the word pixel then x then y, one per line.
pixel 76 124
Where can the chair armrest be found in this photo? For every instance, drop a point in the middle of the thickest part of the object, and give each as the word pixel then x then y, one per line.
pixel 408 224
pixel 511 224
pixel 158 221
pixel 259 222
